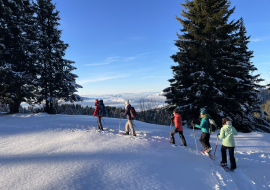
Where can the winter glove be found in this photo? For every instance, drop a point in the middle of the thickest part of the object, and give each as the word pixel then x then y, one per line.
pixel 192 124
pixel 172 118
pixel 218 134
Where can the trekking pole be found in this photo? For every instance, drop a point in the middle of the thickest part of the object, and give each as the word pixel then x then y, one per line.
pixel 135 126
pixel 236 154
pixel 104 122
pixel 119 122
pixel 170 130
pixel 195 139
pixel 215 152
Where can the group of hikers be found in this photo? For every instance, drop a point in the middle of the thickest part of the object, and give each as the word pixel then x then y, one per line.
pixel 100 110
pixel 227 132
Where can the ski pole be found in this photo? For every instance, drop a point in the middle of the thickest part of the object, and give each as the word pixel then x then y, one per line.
pixel 104 123
pixel 215 152
pixel 236 154
pixel 170 130
pixel 135 126
pixel 120 122
pixel 195 139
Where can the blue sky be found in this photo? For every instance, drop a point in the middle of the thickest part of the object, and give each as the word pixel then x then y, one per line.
pixel 124 46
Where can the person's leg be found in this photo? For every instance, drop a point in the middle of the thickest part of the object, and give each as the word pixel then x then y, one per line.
pixel 172 136
pixel 183 138
pixel 202 140
pixel 132 127
pixel 100 124
pixel 207 138
pixel 127 128
pixel 232 159
pixel 224 154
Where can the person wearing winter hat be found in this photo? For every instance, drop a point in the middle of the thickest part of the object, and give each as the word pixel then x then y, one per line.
pixel 96 113
pixel 178 128
pixel 204 126
pixel 227 134
pixel 129 121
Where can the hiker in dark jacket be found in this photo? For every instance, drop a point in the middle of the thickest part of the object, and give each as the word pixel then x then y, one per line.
pixel 178 128
pixel 96 113
pixel 227 134
pixel 204 126
pixel 129 121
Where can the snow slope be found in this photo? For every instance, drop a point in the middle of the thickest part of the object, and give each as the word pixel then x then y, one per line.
pixel 40 151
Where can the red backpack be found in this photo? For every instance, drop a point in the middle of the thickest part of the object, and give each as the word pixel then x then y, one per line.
pixel 133 112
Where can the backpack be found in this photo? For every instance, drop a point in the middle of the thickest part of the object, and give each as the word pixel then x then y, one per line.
pixel 133 112
pixel 102 110
pixel 212 126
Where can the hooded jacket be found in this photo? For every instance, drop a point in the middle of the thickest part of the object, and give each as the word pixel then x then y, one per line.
pixel 204 126
pixel 178 122
pixel 127 112
pixel 96 112
pixel 227 133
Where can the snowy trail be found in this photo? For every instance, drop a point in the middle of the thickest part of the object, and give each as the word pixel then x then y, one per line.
pixel 39 151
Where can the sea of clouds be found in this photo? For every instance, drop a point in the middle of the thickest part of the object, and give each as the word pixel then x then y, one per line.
pixel 118 100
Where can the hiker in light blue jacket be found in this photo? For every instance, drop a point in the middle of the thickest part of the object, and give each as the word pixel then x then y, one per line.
pixel 227 134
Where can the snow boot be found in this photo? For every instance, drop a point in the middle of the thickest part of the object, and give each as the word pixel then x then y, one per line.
pixel 208 150
pixel 223 164
pixel 126 133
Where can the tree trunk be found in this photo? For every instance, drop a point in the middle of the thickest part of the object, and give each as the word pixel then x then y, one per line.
pixel 14 106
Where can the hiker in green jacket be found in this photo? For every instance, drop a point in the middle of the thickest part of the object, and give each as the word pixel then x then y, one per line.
pixel 204 126
pixel 227 133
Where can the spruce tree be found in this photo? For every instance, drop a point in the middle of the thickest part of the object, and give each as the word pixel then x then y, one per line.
pixel 56 80
pixel 17 64
pixel 3 70
pixel 213 68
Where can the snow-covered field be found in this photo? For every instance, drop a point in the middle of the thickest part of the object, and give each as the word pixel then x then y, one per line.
pixel 40 151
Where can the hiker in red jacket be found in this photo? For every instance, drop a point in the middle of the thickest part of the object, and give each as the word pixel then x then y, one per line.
pixel 178 128
pixel 96 113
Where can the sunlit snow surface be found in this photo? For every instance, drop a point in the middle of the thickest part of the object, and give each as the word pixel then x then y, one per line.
pixel 40 151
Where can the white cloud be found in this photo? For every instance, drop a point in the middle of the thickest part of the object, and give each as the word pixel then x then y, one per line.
pixel 136 38
pixel 104 62
pixel 99 79
pixel 135 57
pixel 174 48
pixel 118 100
pixel 130 58
pixel 256 40
pixel 153 77
pixel 265 55
pixel 119 59
pixel 96 64
pixel 266 38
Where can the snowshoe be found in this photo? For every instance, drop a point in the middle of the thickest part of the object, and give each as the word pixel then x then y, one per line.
pixel 209 150
pixel 225 167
